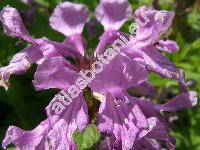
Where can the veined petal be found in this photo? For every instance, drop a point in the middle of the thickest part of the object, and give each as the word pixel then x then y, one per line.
pixel 13 25
pixel 154 61
pixel 78 44
pixel 113 13
pixel 69 18
pixel 73 115
pixel 152 24
pixel 181 101
pixel 143 89
pixel 157 63
pixel 167 46
pixel 55 72
pixel 53 48
pixel 20 63
pixel 108 37
pixel 160 130
pixel 125 74
pixel 31 140
pixel 121 117
pixel 145 143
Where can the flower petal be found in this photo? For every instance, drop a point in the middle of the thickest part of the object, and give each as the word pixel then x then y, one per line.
pixel 143 89
pixel 73 116
pixel 54 73
pixel 160 130
pixel 13 25
pixel 113 13
pixel 78 43
pixel 152 24
pixel 23 140
pixel 20 63
pixel 53 48
pixel 154 61
pixel 145 143
pixel 107 38
pixel 121 117
pixel 69 18
pixel 106 144
pixel 181 101
pixel 125 74
pixel 157 63
pixel 167 46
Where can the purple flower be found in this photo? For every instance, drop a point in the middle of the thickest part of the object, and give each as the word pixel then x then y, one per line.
pixel 126 121
pixel 152 24
pixel 130 120
pixel 37 52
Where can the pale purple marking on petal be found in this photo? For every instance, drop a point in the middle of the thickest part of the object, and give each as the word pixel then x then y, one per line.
pixel 151 124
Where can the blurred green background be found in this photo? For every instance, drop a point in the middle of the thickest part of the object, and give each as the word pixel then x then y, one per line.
pixel 22 106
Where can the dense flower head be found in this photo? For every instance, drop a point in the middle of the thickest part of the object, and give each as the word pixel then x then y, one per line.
pixel 127 121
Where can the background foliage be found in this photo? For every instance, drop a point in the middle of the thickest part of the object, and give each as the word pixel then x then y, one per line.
pixel 23 107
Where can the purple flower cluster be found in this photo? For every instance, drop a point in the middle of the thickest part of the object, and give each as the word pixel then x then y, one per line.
pixel 126 121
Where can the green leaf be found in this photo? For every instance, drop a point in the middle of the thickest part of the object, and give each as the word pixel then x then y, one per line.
pixel 10 148
pixel 89 139
pixel 48 3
